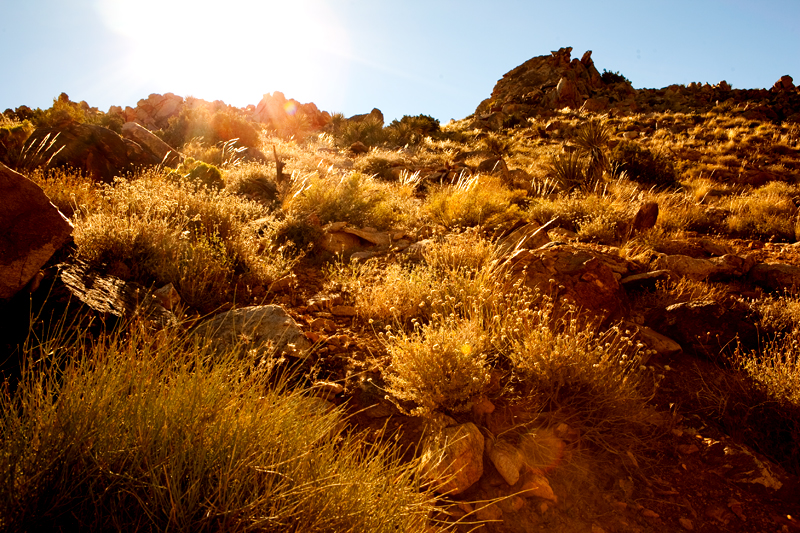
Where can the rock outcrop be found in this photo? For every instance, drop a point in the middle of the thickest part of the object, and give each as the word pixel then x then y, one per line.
pixel 31 230
pixel 544 84
pixel 95 151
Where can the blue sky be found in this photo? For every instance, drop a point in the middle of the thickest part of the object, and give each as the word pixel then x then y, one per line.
pixel 437 57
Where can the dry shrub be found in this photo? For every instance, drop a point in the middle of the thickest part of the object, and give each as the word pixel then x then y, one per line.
pixel 438 366
pixel 354 198
pixel 68 189
pixel 151 432
pixel 206 242
pixel 765 213
pixel 479 200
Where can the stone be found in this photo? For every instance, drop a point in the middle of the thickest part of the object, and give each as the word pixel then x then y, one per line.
pixel 378 238
pixel 343 310
pixel 508 460
pixel 453 458
pixel 661 344
pixel 340 242
pixel 259 331
pixel 646 280
pixel 492 165
pixel 168 296
pixel 708 326
pixel 32 229
pixel 359 147
pixel 145 138
pixel 535 485
pixel 775 276
pixel 685 266
pixel 569 274
pixel 111 296
pixel 529 237
pixel 645 217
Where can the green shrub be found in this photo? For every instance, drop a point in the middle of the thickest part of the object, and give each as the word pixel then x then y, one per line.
pixel 368 130
pixel 210 126
pixel 198 172
pixel 643 166
pixel 254 180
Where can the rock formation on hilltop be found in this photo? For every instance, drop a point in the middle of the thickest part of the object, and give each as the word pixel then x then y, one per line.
pixel 544 84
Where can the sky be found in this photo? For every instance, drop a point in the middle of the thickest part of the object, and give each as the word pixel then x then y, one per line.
pixel 406 57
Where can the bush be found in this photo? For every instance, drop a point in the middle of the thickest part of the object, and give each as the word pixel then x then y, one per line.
pixel 212 127
pixel 643 166
pixel 149 432
pixel 480 200
pixel 412 129
pixel 198 173
pixel 368 130
pixel 610 78
pixel 442 366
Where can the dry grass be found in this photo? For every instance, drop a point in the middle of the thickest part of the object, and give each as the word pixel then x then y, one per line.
pixel 479 200
pixel 149 432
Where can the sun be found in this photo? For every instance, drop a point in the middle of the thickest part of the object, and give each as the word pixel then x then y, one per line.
pixel 234 50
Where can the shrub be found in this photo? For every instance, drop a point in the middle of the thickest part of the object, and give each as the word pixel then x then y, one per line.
pixel 253 180
pixel 765 213
pixel 13 135
pixel 205 242
pixel 354 198
pixel 610 77
pixel 210 126
pixel 149 432
pixel 643 166
pixel 198 173
pixel 412 129
pixel 480 200
pixel 442 365
pixel 368 130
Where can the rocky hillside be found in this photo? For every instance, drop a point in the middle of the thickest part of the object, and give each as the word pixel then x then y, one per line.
pixel 575 310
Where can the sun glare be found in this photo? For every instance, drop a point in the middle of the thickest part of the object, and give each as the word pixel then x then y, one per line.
pixel 234 51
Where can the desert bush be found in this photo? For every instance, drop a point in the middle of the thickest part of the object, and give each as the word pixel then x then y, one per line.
pixel 212 127
pixel 765 213
pixel 198 173
pixel 563 364
pixel 375 165
pixel 353 198
pixel 611 78
pixel 63 111
pixel 149 432
pixel 439 366
pixel 643 166
pixel 412 129
pixel 592 139
pixel 254 180
pixel 592 216
pixel 13 134
pixel 68 189
pixel 201 240
pixel 479 200
pixel 368 131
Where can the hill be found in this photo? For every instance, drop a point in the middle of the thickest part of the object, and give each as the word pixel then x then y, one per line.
pixel 575 310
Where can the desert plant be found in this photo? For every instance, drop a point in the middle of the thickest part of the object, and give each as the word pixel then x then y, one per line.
pixel 479 200
pixel 367 130
pixel 412 129
pixel 147 432
pixel 255 180
pixel 569 171
pixel 643 166
pixel 592 139
pixel 442 365
pixel 199 173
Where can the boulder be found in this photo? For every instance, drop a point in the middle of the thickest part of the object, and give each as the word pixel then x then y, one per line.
pixel 95 151
pixel 259 331
pixel 453 458
pixel 158 148
pixel 708 326
pixel 572 274
pixel 775 276
pixel 508 460
pixel 645 217
pixel 31 230
pixel 111 296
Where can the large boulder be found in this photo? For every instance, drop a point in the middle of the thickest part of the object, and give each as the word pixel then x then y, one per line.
pixel 93 150
pixel 158 148
pixel 258 331
pixel 31 230
pixel 579 276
